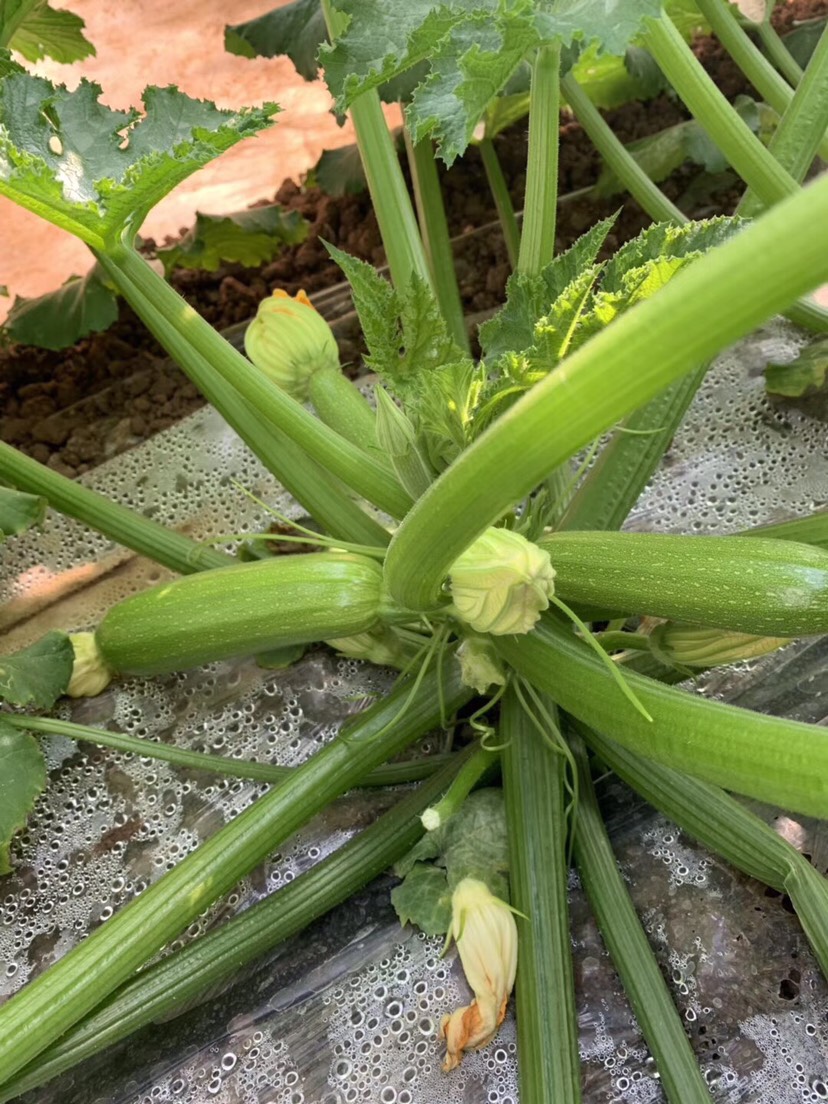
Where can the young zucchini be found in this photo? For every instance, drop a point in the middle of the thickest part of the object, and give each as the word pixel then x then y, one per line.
pixel 241 610
pixel 745 584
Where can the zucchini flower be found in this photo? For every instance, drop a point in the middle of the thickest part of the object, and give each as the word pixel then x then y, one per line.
pixel 90 674
pixel 501 583
pixel 697 646
pixel 480 665
pixel 486 935
pixel 289 340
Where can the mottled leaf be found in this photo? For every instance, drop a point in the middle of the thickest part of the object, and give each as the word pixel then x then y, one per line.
pixel 95 171
pixel 296 30
pixel 80 306
pixel 19 511
pixel 39 674
pixel 36 30
pixel 251 238
pixel 22 780
pixel 806 374
pixel 424 899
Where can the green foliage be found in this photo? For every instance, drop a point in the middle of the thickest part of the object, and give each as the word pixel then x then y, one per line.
pixel 472 51
pixel 297 30
pixel 806 374
pixel 39 674
pixel 802 40
pixel 471 844
pixel 36 30
pixel 19 511
pixel 80 306
pixel 250 237
pixel 340 172
pixel 95 171
pixel 22 780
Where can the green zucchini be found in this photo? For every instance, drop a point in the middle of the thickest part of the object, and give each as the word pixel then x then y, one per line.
pixel 241 610
pixel 744 584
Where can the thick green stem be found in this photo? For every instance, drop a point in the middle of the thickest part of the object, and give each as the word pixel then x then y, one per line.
pixel 389 195
pixel 758 168
pixel 533 778
pixel 172 315
pixel 537 239
pixel 306 481
pixel 620 160
pixel 50 1005
pixel 779 53
pixel 796 140
pixel 708 305
pixel 769 758
pixel 172 985
pixel 502 199
pixel 809 530
pixel 629 949
pixel 390 774
pixel 727 828
pixel 120 524
pixel 435 233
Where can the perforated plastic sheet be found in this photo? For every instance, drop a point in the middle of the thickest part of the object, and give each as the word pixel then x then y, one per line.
pixel 348 1011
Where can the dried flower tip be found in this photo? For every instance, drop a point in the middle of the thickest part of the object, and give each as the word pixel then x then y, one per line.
pixel 90 674
pixel 501 583
pixel 486 935
pixel 289 340
pixel 480 665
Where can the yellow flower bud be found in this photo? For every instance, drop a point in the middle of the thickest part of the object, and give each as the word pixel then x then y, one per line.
pixel 501 583
pixel 698 646
pixel 289 340
pixel 486 935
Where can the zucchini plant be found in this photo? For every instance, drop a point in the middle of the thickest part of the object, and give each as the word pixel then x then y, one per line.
pixel 460 520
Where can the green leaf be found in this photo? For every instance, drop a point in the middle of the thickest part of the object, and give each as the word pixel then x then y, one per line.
pixel 59 318
pixel 250 238
pixel 95 171
pixel 528 298
pixel 339 171
pixel 297 30
pixel 39 674
pixel 802 40
pixel 36 30
pixel 22 780
pixel 801 376
pixel 665 239
pixel 471 844
pixel 472 48
pixel 19 511
pixel 424 899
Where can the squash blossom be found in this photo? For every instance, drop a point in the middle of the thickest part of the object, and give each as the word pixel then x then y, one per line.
pixel 486 935
pixel 289 340
pixel 90 673
pixel 501 583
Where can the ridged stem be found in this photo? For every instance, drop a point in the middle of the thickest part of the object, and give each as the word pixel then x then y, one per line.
pixel 537 239
pixel 533 781
pixel 435 234
pixel 127 527
pixel 778 53
pixel 52 1003
pixel 632 956
pixel 199 968
pixel 502 199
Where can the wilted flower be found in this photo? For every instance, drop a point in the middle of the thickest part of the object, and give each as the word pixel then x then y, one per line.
pixel 90 674
pixel 501 583
pixel 698 646
pixel 480 665
pixel 486 935
pixel 289 340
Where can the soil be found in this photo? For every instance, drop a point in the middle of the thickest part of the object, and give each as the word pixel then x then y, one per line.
pixel 74 408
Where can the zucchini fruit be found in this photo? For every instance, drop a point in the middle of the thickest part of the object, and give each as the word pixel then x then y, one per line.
pixel 744 584
pixel 241 610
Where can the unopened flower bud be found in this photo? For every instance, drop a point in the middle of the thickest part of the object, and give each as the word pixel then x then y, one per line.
pixel 90 673
pixel 696 646
pixel 501 583
pixel 381 646
pixel 289 340
pixel 486 935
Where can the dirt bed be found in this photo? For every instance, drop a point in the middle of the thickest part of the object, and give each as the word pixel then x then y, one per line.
pixel 74 408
